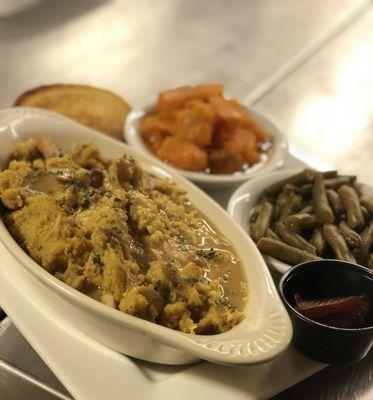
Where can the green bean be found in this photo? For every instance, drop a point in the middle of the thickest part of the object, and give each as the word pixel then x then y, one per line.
pixel 305 190
pixel 351 237
pixel 297 222
pixel 271 234
pixel 335 201
pixel 254 214
pixel 262 222
pixel 332 183
pixel 322 208
pixel 330 174
pixel 294 239
pixel 306 209
pixel 341 180
pixel 318 241
pixel 361 253
pixel 293 205
pixel 288 188
pixel 281 200
pixel 365 212
pixel 302 177
pixel 350 199
pixel 332 236
pixel 367 202
pixel 284 252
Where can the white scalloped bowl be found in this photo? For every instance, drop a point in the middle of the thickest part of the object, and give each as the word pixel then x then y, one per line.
pixel 277 154
pixel 265 330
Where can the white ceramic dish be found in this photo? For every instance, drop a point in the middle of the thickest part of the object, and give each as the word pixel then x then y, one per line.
pixel 245 198
pixel 277 154
pixel 263 334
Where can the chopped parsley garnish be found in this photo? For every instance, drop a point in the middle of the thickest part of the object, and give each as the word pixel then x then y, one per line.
pixel 208 254
pixel 143 266
pixel 224 278
pixel 223 301
pixel 191 281
pixel 34 176
pixel 61 201
pixel 182 247
pixel 97 260
pixel 157 286
pixel 79 187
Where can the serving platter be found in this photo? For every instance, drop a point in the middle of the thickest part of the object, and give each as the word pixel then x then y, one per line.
pixel 91 370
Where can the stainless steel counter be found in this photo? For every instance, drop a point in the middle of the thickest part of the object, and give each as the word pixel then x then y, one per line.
pixel 306 64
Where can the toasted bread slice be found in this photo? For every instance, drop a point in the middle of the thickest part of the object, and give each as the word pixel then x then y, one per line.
pixel 97 108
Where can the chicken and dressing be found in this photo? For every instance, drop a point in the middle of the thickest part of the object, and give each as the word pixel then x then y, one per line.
pixel 122 236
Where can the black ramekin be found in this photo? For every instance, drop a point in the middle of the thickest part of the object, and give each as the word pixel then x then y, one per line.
pixel 322 279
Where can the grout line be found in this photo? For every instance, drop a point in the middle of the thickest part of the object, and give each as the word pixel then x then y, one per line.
pixel 306 54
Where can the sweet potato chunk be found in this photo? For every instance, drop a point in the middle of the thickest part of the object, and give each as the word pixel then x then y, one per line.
pixel 198 121
pixel 222 162
pixel 239 148
pixel 176 98
pixel 183 154
pixel 227 110
pixel 251 151
pixel 195 123
pixel 154 140
pixel 157 123
pixel 254 127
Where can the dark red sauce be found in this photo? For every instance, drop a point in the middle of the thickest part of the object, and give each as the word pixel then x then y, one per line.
pixel 341 312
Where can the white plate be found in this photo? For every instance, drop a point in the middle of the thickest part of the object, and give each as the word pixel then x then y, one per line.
pixel 245 198
pixel 277 154
pixel 264 332
pixel 92 371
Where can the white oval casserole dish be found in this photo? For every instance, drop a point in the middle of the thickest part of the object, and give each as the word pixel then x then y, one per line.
pixel 264 332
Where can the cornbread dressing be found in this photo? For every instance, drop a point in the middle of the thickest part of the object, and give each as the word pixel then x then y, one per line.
pixel 122 236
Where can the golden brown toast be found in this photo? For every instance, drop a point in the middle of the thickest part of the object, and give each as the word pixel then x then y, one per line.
pixel 97 108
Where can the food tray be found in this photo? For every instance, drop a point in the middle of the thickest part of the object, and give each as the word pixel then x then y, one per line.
pixel 91 371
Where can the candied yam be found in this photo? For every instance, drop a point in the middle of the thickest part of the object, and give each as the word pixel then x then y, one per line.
pixel 253 126
pixel 236 142
pixel 156 123
pixel 244 142
pixel 194 124
pixel 177 98
pixel 252 155
pixel 154 140
pixel 238 148
pixel 204 92
pixel 201 120
pixel 174 98
pixel 203 109
pixel 250 150
pixel 227 110
pixel 183 154
pixel 220 134
pixel 223 162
